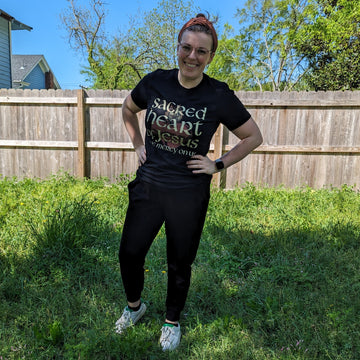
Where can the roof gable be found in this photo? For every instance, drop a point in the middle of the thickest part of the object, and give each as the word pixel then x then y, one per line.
pixel 23 65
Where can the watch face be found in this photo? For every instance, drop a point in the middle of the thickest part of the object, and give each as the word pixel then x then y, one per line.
pixel 219 164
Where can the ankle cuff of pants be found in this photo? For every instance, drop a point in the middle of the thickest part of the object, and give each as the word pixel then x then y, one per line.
pixel 133 299
pixel 172 315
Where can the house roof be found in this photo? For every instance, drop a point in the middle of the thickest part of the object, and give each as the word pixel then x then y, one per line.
pixel 15 24
pixel 22 65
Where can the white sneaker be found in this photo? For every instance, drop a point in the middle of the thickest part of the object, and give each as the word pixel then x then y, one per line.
pixel 170 337
pixel 129 318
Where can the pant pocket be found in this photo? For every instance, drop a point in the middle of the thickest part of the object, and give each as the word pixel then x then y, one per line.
pixel 138 190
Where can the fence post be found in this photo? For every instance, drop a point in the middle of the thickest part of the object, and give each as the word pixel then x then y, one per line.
pixel 218 151
pixel 81 166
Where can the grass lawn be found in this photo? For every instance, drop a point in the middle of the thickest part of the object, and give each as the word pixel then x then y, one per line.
pixel 277 275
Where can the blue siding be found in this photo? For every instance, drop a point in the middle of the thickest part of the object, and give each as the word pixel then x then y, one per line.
pixel 36 79
pixel 5 65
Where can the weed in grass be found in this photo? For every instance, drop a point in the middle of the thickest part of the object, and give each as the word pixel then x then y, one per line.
pixel 69 227
pixel 52 335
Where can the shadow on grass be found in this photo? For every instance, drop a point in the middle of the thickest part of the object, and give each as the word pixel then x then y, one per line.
pixel 65 288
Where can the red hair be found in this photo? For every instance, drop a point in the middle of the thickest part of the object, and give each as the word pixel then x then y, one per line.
pixel 201 20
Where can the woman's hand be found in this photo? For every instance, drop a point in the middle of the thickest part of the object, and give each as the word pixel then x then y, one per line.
pixel 141 153
pixel 249 139
pixel 201 165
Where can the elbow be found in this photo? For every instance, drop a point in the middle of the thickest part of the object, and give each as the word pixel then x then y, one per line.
pixel 125 109
pixel 258 140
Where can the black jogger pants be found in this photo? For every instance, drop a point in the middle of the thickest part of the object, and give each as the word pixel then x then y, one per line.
pixel 183 212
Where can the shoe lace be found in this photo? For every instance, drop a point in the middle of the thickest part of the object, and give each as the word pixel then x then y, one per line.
pixel 166 332
pixel 124 318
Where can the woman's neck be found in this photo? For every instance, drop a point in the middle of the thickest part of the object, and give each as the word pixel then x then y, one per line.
pixel 189 84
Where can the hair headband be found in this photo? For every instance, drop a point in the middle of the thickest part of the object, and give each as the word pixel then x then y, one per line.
pixel 201 20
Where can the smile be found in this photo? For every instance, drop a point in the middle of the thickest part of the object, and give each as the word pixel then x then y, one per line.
pixel 191 65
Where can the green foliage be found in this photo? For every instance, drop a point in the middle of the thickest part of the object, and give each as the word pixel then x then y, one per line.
pixel 276 276
pixel 156 37
pixel 116 66
pixel 281 45
pixel 261 54
pixel 292 45
pixel 331 43
pixel 223 67
pixel 287 45
pixel 68 227
pixel 53 334
pixel 148 44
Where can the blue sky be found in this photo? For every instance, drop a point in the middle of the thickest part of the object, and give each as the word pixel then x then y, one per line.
pixel 48 37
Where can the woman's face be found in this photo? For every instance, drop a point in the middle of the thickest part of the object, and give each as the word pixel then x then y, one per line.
pixel 194 53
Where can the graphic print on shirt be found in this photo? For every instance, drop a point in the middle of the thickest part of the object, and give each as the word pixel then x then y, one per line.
pixel 173 127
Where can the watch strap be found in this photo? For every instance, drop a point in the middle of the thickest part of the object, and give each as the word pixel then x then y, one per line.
pixel 219 164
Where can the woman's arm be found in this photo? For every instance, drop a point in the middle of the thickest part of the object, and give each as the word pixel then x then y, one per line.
pixel 250 138
pixel 131 121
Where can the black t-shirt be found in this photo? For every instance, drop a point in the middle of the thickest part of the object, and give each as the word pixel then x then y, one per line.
pixel 180 123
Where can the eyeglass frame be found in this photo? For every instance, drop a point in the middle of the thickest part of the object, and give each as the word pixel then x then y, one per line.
pixel 191 48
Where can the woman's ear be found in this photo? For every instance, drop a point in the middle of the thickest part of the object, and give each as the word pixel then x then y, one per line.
pixel 212 54
pixel 177 49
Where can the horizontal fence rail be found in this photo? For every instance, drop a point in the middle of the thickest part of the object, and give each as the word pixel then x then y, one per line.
pixel 310 138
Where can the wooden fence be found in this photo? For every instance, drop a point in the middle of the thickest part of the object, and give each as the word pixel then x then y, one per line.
pixel 310 138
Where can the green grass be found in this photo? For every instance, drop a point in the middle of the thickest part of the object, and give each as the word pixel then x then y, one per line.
pixel 277 275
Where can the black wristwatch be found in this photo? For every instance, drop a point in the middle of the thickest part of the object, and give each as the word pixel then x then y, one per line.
pixel 219 164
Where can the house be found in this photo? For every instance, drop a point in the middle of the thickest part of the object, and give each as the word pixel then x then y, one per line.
pixel 7 24
pixel 32 72
pixel 21 71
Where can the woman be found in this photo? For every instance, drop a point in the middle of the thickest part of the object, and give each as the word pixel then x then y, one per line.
pixel 184 108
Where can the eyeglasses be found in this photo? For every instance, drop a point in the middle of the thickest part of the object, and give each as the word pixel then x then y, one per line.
pixel 187 50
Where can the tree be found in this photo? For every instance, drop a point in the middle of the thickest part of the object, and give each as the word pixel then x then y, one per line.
pixel 261 56
pixel 224 66
pixel 330 41
pixel 111 63
pixel 84 27
pixel 118 66
pixel 156 38
pixel 121 62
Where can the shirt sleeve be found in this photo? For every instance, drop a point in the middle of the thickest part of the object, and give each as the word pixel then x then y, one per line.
pixel 232 112
pixel 139 93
